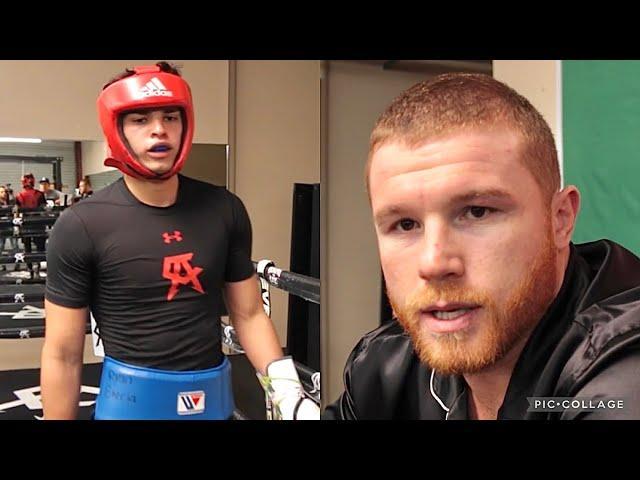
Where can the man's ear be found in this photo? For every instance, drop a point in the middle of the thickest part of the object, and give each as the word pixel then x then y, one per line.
pixel 564 212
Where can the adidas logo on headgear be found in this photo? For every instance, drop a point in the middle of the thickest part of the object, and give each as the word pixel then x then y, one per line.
pixel 155 88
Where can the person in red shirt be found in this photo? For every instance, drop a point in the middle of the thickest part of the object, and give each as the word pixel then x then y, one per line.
pixel 29 197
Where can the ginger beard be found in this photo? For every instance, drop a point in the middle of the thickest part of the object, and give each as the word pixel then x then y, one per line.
pixel 494 331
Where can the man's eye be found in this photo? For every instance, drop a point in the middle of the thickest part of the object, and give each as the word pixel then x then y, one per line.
pixel 478 212
pixel 406 224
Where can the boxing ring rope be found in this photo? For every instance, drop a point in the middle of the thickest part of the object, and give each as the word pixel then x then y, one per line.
pixel 28 332
pixel 303 286
pixel 22 257
pixel 294 283
pixel 22 299
pixel 23 281
pixel 8 223
pixel 15 210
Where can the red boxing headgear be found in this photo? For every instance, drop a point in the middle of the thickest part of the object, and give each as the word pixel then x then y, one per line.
pixel 148 87
pixel 28 180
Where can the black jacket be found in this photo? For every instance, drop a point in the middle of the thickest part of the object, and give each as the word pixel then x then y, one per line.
pixel 587 346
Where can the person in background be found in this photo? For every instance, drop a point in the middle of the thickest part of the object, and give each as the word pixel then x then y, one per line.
pixel 51 195
pixel 84 190
pixel 6 238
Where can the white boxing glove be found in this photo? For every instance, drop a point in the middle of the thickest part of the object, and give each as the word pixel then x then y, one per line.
pixel 285 395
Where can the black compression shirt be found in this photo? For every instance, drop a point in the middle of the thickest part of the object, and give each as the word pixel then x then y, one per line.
pixel 152 276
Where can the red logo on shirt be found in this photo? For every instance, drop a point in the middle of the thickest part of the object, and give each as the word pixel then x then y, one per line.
pixel 167 237
pixel 179 270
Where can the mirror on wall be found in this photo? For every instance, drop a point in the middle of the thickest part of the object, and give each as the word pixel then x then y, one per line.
pixel 65 162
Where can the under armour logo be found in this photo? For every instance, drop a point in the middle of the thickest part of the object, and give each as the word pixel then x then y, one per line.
pixel 179 270
pixel 167 237
pixel 19 257
pixel 18 298
pixel 17 221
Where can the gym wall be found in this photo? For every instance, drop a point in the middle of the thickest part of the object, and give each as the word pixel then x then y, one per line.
pixel 356 96
pixel 11 172
pixel 277 144
pixel 56 99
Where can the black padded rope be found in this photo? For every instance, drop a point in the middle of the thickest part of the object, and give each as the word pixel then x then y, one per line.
pixel 294 283
pixel 22 257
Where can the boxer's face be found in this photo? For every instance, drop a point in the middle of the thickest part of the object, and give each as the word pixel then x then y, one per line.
pixel 154 137
pixel 466 245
